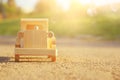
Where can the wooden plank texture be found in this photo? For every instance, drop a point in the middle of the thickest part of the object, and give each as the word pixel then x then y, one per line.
pixel 35 39
pixel 35 51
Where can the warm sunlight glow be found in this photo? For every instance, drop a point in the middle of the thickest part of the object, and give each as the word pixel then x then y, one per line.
pixel 84 2
pixel 101 2
pixel 98 2
pixel 64 4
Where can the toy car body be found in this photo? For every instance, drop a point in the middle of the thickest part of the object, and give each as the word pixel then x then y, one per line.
pixel 34 39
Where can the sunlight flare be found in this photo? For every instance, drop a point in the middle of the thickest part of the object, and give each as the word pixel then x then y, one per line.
pixel 64 4
pixel 98 2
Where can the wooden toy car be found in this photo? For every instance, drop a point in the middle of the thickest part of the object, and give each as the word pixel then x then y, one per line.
pixel 34 39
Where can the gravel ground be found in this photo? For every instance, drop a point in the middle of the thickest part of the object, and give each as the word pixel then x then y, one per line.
pixel 77 60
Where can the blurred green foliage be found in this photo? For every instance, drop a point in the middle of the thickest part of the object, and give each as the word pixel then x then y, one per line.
pixel 9 27
pixel 105 23
pixel 104 26
pixel 12 11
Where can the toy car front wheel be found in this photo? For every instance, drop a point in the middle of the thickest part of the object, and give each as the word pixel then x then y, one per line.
pixel 16 57
pixel 53 58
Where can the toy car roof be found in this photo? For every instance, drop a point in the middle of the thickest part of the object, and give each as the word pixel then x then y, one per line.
pixel 29 22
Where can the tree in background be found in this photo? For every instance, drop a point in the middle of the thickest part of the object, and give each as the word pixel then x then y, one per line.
pixel 9 9
pixel 2 10
pixel 45 7
pixel 11 3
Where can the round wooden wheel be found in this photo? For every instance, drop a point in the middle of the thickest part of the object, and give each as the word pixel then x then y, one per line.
pixel 16 57
pixel 49 56
pixel 53 58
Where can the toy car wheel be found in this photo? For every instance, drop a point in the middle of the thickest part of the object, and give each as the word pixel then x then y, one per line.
pixel 49 56
pixel 53 58
pixel 16 58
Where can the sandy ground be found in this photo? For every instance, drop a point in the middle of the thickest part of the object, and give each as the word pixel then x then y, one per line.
pixel 77 60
